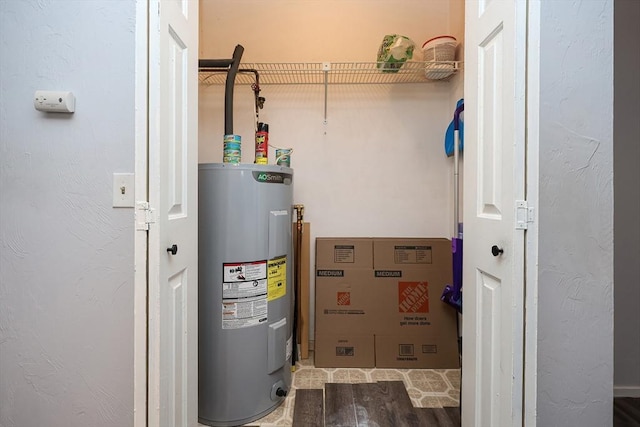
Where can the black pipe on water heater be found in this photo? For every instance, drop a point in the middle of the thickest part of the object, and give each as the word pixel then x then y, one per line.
pixel 228 91
pixel 232 64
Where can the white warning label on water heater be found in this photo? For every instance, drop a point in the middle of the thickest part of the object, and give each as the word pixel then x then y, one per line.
pixel 244 294
pixel 245 271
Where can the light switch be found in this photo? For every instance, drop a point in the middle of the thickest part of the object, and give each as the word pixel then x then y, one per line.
pixel 123 190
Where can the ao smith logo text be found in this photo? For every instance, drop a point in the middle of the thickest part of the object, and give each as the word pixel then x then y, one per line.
pixel 272 177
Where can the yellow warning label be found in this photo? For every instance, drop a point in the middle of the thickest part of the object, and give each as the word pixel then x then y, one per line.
pixel 277 278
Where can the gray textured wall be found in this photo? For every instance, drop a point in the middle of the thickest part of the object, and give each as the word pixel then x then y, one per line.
pixel 626 133
pixel 66 260
pixel 575 329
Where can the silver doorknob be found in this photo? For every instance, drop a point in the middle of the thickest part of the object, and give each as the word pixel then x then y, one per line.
pixel 495 250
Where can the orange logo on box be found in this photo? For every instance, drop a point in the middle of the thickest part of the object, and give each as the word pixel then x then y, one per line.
pixel 344 298
pixel 413 297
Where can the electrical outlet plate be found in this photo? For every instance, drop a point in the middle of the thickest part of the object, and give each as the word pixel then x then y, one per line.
pixel 123 190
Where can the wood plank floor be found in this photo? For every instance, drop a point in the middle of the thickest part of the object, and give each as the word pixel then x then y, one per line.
pixel 436 417
pixel 383 404
pixel 626 412
pixel 310 409
pixel 340 410
pixel 387 404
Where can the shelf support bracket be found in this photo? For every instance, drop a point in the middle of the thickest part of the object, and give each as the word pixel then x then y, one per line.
pixel 326 67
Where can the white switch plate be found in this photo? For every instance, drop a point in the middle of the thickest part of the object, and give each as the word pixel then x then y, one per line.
pixel 123 190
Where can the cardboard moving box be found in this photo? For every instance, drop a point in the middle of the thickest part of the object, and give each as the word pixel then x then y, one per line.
pixel 344 351
pixel 416 351
pixel 394 296
pixel 345 301
pixel 394 254
pixel 332 253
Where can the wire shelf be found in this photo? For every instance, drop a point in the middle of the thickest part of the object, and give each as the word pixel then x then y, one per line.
pixel 333 73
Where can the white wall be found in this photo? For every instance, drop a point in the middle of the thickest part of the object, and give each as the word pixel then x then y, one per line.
pixel 575 298
pixel 66 260
pixel 377 168
pixel 456 19
pixel 315 30
pixel 626 133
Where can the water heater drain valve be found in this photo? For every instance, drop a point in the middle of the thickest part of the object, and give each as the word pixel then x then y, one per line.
pixel 278 391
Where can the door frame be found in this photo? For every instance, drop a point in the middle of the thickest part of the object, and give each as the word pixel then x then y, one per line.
pixel 141 238
pixel 141 194
pixel 532 132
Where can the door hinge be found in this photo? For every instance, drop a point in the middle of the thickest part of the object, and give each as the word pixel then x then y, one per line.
pixel 524 214
pixel 145 215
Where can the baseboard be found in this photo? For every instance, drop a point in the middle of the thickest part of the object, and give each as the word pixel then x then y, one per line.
pixel 633 391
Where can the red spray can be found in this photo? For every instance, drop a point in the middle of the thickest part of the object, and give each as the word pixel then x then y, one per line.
pixel 262 144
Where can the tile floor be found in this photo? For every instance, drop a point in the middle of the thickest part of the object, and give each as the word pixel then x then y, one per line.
pixel 428 388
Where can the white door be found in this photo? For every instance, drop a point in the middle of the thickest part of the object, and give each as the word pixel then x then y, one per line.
pixel 173 186
pixel 492 375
